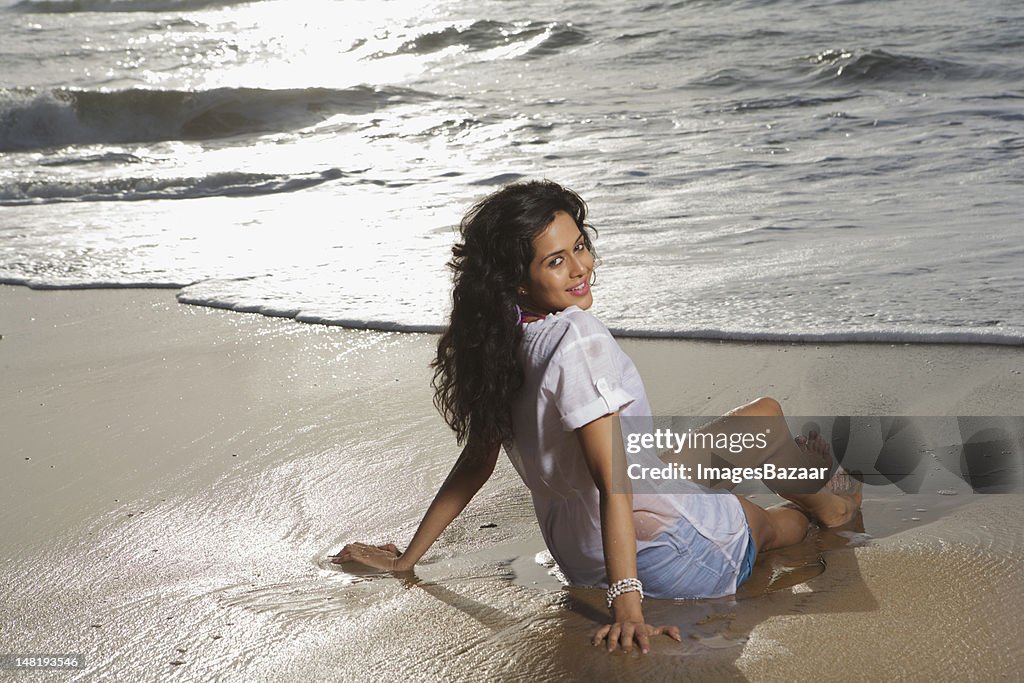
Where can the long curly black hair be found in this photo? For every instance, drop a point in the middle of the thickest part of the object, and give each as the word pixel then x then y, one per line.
pixel 477 370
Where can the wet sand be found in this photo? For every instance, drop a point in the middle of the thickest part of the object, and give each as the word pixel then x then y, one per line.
pixel 175 477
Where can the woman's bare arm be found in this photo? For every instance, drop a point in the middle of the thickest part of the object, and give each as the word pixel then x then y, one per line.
pixel 618 535
pixel 470 472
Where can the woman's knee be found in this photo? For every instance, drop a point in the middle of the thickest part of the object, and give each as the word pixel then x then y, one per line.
pixel 764 406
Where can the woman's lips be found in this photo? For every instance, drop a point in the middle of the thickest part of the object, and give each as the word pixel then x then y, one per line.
pixel 581 289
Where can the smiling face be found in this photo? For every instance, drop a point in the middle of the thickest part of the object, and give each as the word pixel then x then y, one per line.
pixel 560 269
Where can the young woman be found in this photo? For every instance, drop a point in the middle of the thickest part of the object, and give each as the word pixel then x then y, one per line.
pixel 524 366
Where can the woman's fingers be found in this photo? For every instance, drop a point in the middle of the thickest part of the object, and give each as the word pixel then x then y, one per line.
pixel 643 641
pixel 626 637
pixel 613 637
pixel 379 556
pixel 344 555
pixel 622 636
pixel 670 631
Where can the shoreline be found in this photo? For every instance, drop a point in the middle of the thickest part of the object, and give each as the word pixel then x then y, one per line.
pixel 876 337
pixel 177 475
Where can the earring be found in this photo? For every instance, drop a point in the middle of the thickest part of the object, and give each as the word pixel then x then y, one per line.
pixel 593 277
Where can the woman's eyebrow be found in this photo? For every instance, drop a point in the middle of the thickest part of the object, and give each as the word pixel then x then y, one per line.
pixel 555 253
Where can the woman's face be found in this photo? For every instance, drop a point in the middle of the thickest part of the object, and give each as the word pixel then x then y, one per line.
pixel 560 269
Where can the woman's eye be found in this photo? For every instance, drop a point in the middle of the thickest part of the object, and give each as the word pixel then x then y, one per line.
pixel 557 261
pixel 580 246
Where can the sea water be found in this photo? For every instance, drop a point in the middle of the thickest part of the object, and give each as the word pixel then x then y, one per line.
pixel 803 170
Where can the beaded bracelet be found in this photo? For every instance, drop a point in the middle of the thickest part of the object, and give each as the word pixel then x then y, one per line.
pixel 623 586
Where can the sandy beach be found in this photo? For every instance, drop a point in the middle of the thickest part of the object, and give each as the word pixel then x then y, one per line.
pixel 175 478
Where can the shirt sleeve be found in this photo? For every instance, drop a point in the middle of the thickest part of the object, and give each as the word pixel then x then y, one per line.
pixel 585 375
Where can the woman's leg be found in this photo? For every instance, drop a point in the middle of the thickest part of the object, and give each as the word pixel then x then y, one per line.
pixel 833 505
pixel 748 436
pixel 816 497
pixel 775 527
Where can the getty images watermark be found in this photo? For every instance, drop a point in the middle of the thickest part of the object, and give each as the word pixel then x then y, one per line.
pixel 753 445
pixel 800 454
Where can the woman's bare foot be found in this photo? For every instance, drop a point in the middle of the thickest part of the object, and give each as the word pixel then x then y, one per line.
pixel 846 486
pixel 816 448
pixel 847 497
pixel 837 503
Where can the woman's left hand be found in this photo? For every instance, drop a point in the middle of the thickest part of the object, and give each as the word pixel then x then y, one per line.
pixel 622 633
pixel 377 556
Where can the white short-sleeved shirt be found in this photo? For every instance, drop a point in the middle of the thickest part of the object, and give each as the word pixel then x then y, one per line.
pixel 574 373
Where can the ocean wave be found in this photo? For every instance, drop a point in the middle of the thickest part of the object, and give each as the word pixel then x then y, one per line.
pixel 724 78
pixel 31 119
pixel 33 283
pixel 785 102
pixel 500 179
pixel 228 184
pixel 559 36
pixel 874 66
pixel 487 35
pixel 73 6
pixel 104 158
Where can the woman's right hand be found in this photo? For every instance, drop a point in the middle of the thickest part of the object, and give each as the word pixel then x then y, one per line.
pixel 622 634
pixel 386 557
